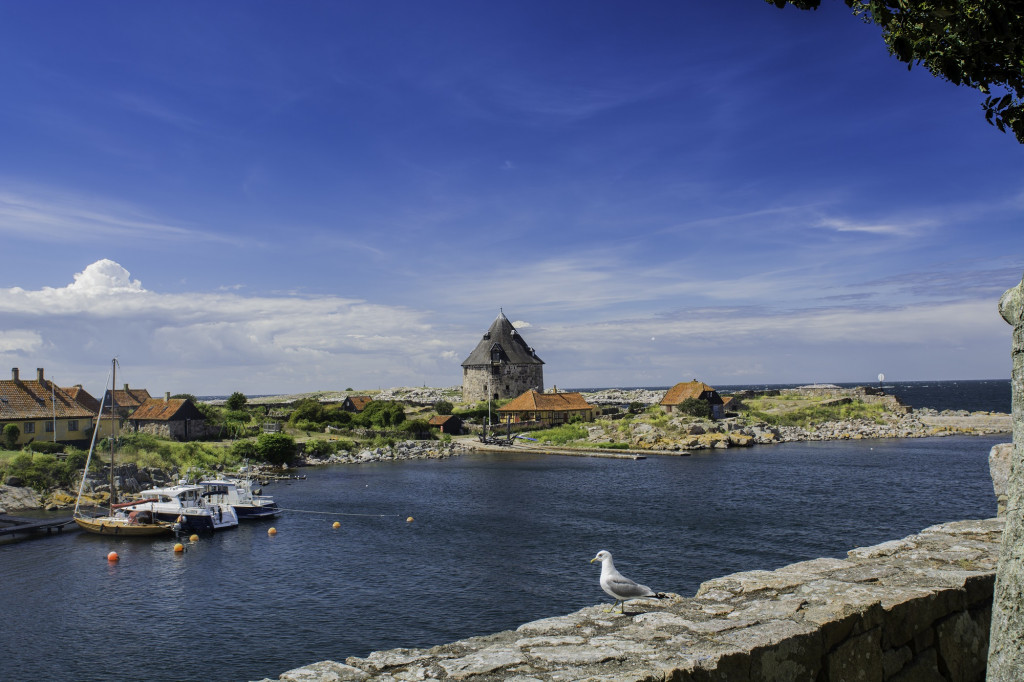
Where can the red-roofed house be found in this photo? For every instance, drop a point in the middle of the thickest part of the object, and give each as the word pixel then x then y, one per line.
pixel 692 389
pixel 547 408
pixel 356 403
pixel 127 400
pixel 447 423
pixel 42 411
pixel 175 418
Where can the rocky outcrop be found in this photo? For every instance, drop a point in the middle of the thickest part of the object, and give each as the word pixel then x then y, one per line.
pixel 910 609
pixel 404 450
pixel 14 499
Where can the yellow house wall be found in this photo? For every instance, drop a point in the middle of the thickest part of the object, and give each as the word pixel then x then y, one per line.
pixel 41 434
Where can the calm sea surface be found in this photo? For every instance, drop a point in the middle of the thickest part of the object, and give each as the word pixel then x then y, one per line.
pixel 496 541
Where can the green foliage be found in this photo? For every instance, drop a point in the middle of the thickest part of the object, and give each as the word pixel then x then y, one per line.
pixel 560 435
pixel 210 413
pixel 11 435
pixel 275 448
pixel 236 401
pixel 244 449
pixel 238 416
pixel 44 471
pixel 419 429
pixel 613 446
pixel 46 446
pixel 815 413
pixel 382 414
pixel 307 410
pixel 975 43
pixel 443 407
pixel 636 407
pixel 695 407
pixel 185 396
pixel 321 448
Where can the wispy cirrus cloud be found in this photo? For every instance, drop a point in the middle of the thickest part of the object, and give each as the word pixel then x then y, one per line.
pixel 48 215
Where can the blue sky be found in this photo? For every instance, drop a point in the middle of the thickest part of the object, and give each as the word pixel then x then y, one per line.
pixel 280 197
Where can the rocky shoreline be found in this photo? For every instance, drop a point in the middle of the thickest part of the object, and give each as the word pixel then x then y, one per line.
pixel 678 435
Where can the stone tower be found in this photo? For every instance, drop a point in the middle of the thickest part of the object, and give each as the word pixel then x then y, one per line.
pixel 501 366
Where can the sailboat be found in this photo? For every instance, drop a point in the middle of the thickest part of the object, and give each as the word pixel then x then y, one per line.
pixel 118 520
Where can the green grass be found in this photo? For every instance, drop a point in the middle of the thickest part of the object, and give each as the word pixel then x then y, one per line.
pixel 560 435
pixel 815 413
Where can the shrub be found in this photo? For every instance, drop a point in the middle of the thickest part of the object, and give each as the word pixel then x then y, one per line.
pixel 275 448
pixel 417 428
pixel 636 407
pixel 236 401
pixel 382 414
pixel 320 447
pixel 11 435
pixel 46 446
pixel 443 407
pixel 243 449
pixel 560 435
pixel 695 407
pixel 307 410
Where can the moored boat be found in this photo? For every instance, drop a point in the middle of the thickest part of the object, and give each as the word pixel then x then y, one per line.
pixel 185 506
pixel 240 496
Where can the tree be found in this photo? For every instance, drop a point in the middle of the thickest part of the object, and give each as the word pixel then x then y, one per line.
pixel 976 43
pixel 443 407
pixel 307 409
pixel 236 401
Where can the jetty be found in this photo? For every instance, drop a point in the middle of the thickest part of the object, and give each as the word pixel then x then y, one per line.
pixel 12 526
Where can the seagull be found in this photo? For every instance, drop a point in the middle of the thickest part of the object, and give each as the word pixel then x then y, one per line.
pixel 619 586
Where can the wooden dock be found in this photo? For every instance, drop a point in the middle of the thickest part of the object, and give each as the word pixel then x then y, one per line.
pixel 16 525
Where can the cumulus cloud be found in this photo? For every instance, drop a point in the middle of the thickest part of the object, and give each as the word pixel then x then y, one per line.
pixel 105 312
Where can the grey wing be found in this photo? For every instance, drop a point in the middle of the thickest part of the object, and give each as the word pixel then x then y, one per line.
pixel 625 588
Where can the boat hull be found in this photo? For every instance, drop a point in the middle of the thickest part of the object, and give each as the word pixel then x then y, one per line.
pixel 249 512
pixel 105 525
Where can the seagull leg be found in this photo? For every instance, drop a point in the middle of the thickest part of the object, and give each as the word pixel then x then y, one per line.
pixel 612 608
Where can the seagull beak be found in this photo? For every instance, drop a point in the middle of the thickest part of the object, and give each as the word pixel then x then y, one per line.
pixel 593 560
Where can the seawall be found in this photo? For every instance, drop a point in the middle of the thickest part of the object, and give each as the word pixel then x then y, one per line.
pixel 908 610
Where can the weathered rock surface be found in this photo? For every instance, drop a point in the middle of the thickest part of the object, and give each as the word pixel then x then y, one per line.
pixel 910 609
pixel 14 499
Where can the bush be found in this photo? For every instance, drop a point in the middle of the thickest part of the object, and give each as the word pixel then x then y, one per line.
pixel 443 407
pixel 636 407
pixel 382 414
pixel 560 435
pixel 695 407
pixel 275 448
pixel 320 447
pixel 243 449
pixel 49 447
pixel 419 429
pixel 307 410
pixel 11 435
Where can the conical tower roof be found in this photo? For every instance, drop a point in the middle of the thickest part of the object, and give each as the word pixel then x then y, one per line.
pixel 511 348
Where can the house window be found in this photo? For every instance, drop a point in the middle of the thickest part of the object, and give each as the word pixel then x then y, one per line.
pixel 30 427
pixel 49 427
pixel 72 425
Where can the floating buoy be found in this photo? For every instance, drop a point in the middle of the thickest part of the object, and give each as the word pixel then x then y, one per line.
pixel 271 531
pixel 112 556
pixel 409 520
pixel 178 547
pixel 337 524
pixel 193 538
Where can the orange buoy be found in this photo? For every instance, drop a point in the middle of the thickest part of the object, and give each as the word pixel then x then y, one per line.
pixel 409 520
pixel 193 538
pixel 271 531
pixel 178 547
pixel 337 524
pixel 112 556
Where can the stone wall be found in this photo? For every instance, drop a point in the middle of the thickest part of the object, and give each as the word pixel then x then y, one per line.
pixel 506 380
pixel 915 609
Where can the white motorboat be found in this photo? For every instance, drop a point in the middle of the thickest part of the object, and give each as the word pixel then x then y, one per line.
pixel 241 497
pixel 186 505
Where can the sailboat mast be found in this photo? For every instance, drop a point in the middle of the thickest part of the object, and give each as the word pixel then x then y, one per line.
pixel 113 401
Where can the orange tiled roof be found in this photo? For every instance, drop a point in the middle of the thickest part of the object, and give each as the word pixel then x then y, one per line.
pixel 158 409
pixel 129 397
pixel 37 400
pixel 442 419
pixel 547 402
pixel 684 390
pixel 83 398
pixel 360 401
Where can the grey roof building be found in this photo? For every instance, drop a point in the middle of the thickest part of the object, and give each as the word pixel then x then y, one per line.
pixel 502 365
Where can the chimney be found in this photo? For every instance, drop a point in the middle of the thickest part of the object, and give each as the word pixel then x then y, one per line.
pixel 167 396
pixel 39 375
pixel 14 374
pixel 126 388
